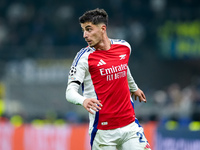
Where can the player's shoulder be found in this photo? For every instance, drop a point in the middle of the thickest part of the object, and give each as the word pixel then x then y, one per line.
pixel 85 51
pixel 82 54
pixel 120 41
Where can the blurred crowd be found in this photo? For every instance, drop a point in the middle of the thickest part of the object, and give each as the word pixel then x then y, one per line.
pixel 181 104
pixel 35 23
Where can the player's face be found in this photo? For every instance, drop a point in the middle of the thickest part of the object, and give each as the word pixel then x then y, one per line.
pixel 92 34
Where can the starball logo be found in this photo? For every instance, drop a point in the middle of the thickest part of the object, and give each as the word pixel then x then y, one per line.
pixel 114 72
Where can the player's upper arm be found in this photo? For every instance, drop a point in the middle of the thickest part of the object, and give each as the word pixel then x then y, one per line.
pixel 79 67
pixel 76 77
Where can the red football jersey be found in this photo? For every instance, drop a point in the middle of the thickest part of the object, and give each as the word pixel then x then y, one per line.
pixel 103 74
pixel 108 70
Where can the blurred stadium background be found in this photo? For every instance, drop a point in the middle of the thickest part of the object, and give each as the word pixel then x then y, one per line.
pixel 40 38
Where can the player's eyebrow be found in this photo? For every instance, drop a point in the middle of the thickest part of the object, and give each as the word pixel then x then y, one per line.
pixel 88 26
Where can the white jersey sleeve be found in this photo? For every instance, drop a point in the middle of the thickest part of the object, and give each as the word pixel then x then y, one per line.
pixel 76 77
pixel 79 75
pixel 79 67
pixel 131 82
pixel 72 94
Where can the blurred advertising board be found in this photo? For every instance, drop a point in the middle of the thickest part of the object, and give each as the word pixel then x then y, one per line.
pixel 46 137
pixel 53 137
pixel 181 138
pixel 76 137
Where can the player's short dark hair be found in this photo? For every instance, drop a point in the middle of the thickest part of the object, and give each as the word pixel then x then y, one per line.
pixel 95 16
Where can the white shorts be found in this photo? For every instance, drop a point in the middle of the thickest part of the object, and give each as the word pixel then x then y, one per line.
pixel 130 137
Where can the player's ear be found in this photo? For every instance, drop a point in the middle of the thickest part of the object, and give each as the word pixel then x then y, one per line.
pixel 103 27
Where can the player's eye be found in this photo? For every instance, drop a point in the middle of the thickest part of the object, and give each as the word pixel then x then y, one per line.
pixel 89 29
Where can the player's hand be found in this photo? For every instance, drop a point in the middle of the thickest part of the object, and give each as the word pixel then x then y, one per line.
pixel 140 94
pixel 92 104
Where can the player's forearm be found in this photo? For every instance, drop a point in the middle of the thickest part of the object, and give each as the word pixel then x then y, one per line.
pixel 131 82
pixel 72 94
pixel 133 87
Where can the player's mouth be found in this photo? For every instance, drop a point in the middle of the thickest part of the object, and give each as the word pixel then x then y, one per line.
pixel 89 42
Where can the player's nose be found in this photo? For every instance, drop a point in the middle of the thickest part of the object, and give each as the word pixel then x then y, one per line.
pixel 85 35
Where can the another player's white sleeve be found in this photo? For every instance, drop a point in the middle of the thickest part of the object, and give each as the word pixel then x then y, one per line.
pixel 131 82
pixel 72 94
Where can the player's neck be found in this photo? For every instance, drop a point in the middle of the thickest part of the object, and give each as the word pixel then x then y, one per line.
pixel 104 44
